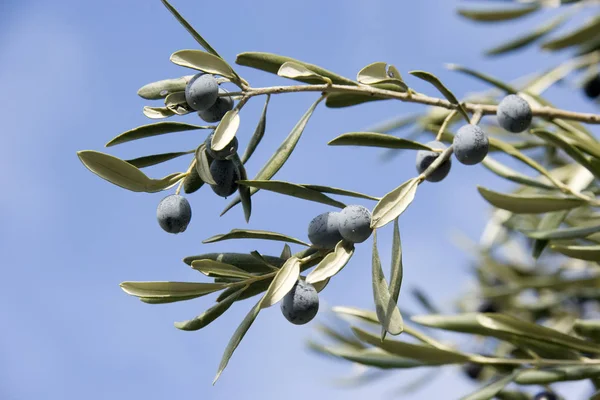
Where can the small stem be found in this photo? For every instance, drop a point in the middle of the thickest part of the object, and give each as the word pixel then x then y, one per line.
pixel 434 165
pixel 189 170
pixel 445 124
pixel 476 117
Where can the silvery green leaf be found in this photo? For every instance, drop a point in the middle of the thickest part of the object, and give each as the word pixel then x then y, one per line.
pixel 293 70
pixel 243 191
pixel 148 161
pixel 589 253
pixel 393 204
pixel 202 61
pixel 286 252
pixel 513 175
pixel 226 130
pixel 577 232
pixel 254 234
pixel 160 89
pixel 496 15
pixel 170 290
pixel 203 161
pixel 157 112
pixel 434 80
pixel 241 260
pixel 177 103
pixel 216 268
pixel 291 189
pixel 585 32
pixel 529 203
pixel 484 78
pixel 155 129
pixel 373 357
pixel 557 374
pixel 490 390
pixel 372 139
pixel 259 132
pixel 396 267
pixel 333 263
pixel 341 192
pixel 378 73
pixel 547 223
pixel 192 182
pixel 282 283
pixel 209 315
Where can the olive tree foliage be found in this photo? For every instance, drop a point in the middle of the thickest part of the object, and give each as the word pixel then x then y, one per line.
pixel 534 315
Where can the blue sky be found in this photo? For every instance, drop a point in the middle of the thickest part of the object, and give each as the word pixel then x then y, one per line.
pixel 69 76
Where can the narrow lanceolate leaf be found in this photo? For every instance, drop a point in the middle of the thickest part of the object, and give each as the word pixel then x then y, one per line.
pixel 341 192
pixel 589 253
pixel 281 155
pixel 425 354
pixel 148 161
pixel 549 222
pixel 272 63
pixel 259 133
pixel 123 174
pixel 529 204
pixel 423 299
pixel 563 234
pixel 372 139
pixel 578 36
pixel 291 189
pixel 365 315
pixel 332 263
pixel 237 337
pixel 396 268
pixel 386 308
pixel 203 61
pixel 171 290
pixel 588 328
pixel 203 165
pixel 254 234
pixel 157 112
pixel 495 15
pixel 283 282
pixel 243 191
pixel 243 261
pixel 294 70
pixel 226 130
pixel 158 128
pixel 484 78
pixel 528 38
pixel 286 252
pixel 216 268
pixel 319 286
pixel 177 103
pixel 189 28
pixel 489 391
pixel 557 374
pixel 192 182
pixel 426 76
pixel 373 357
pixel 209 315
pixel 161 89
pixel 378 73
pixel 513 175
pixel 394 203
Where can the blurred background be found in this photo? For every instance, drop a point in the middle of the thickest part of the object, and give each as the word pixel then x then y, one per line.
pixel 69 75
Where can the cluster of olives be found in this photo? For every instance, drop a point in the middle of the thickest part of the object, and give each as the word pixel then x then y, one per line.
pixel 471 143
pixel 352 224
pixel 591 87
pixel 201 93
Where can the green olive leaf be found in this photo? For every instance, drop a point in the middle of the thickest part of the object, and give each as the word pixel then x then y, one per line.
pixel 293 70
pixel 209 315
pixel 319 286
pixel 170 290
pixel 286 252
pixel 373 357
pixel 512 175
pixel 562 234
pixel 557 374
pixel 237 337
pixel 282 283
pixel 243 191
pixel 202 61
pixel 529 203
pixel 588 328
pixel 333 263
pixel 484 78
pixel 259 133
pixel 216 268
pixel 254 234
pixel 428 77
pixel 396 267
pixel 589 253
pixel 269 62
pixel 226 130
pixel 372 139
pixel 148 161
pixel 291 189
pixel 365 315
pixel 203 161
pixel 575 37
pixel 341 192
pixel 243 261
pixel 378 73
pixel 192 182
pixel 387 311
pixel 160 89
pixel 496 15
pixel 157 112
pixel 393 204
pixel 547 223
pixel 490 390
pixel 155 129
pixel 177 103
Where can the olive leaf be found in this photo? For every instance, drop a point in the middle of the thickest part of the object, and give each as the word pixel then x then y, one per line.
pixel 203 161
pixel 123 174
pixel 291 189
pixel 589 253
pixel 496 15
pixel 237 337
pixel 282 283
pixel 217 268
pixel 155 129
pixel 587 328
pixel 512 175
pixel 557 374
pixel 280 156
pixel 547 223
pixel 170 290
pixel 492 389
pixel 202 61
pixel 373 357
pixel 177 103
pixel 192 182
pixel 160 89
pixel 396 267
pixel 293 70
pixel 387 311
pixel 286 252
pixel 243 191
pixel 226 130
pixel 148 161
pixel 428 77
pixel 484 78
pixel 243 261
pixel 259 132
pixel 585 32
pixel 562 234
pixel 341 192
pixel 254 234
pixel 393 204
pixel 209 315
pixel 333 263
pixel 529 203
pixel 372 139
pixel 378 73
pixel 157 112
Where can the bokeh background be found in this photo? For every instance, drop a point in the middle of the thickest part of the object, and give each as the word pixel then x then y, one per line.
pixel 68 77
